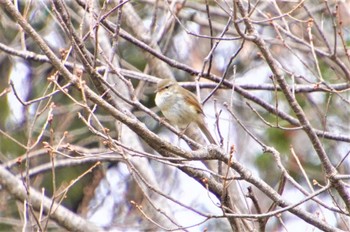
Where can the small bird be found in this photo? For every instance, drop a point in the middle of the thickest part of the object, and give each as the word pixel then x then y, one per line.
pixel 180 106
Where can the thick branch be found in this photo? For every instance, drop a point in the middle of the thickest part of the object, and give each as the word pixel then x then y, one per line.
pixel 65 218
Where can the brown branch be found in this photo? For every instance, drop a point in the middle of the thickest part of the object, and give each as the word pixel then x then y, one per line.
pixel 164 148
pixel 61 215
pixel 329 169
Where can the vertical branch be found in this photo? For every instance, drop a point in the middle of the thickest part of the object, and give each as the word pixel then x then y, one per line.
pixel 207 8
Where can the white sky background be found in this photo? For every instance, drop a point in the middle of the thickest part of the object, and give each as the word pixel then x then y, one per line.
pixel 19 76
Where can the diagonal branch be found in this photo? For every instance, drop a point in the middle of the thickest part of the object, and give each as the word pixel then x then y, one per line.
pixel 61 215
pixel 329 169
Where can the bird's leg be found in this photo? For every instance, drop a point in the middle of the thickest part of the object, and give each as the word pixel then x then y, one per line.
pixel 182 131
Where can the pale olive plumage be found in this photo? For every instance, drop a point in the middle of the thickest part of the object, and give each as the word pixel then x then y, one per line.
pixel 180 106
